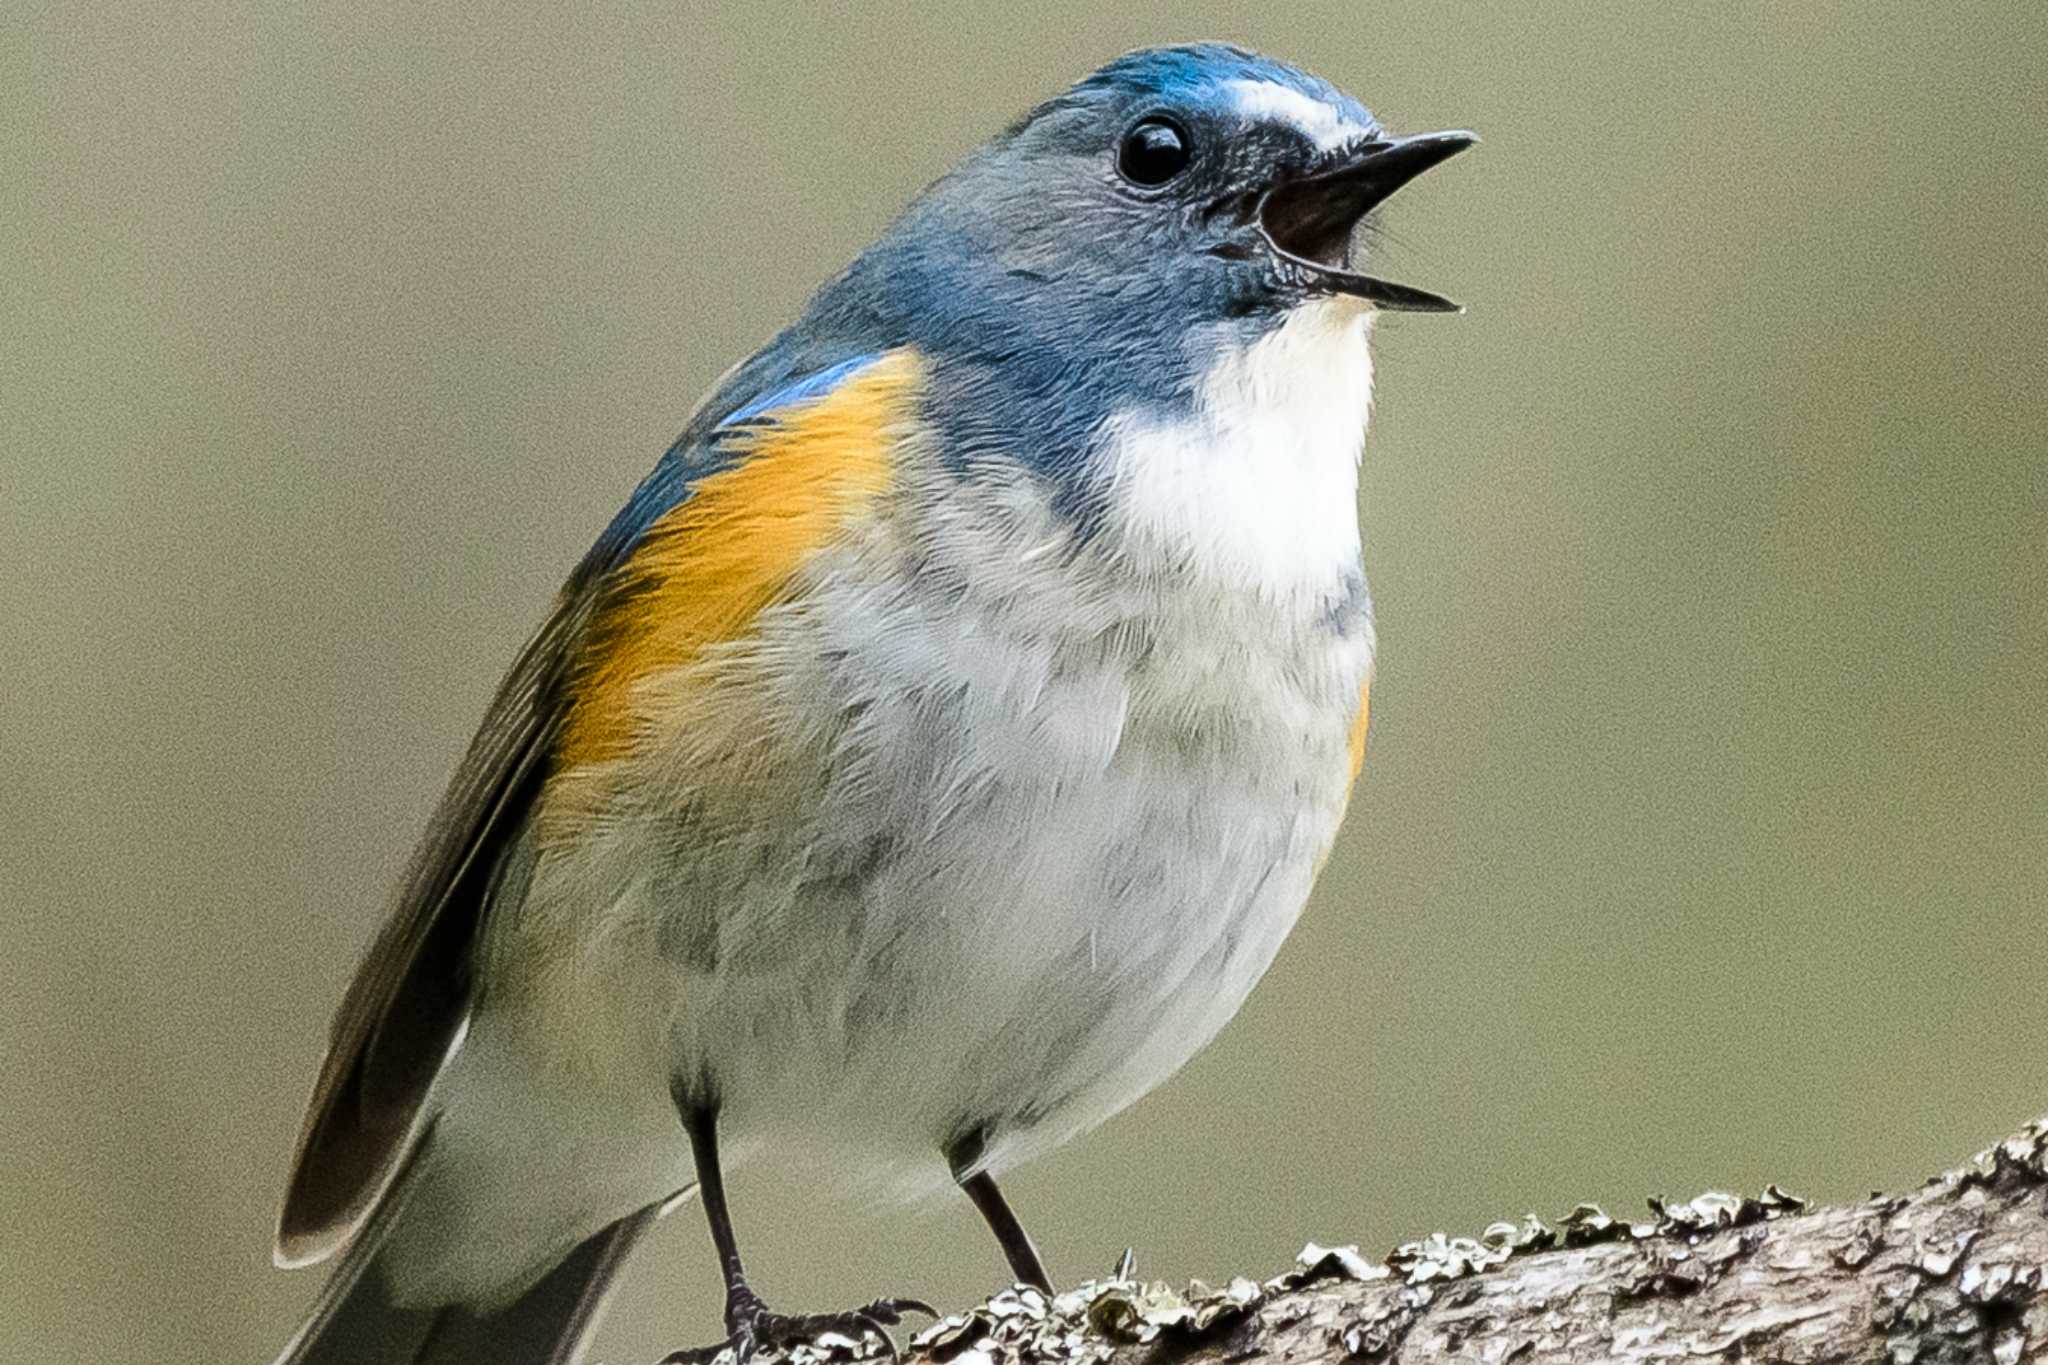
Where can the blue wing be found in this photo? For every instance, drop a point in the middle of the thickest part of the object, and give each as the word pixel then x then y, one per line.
pixel 697 453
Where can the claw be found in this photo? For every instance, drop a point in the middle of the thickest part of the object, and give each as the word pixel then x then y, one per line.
pixel 891 1311
pixel 885 1313
pixel 779 1331
pixel 870 1323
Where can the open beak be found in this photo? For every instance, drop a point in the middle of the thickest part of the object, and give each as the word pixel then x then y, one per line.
pixel 1308 222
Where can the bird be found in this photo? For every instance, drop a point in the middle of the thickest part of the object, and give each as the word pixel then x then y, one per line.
pixel 925 762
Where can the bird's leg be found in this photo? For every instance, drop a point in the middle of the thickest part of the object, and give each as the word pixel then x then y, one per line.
pixel 743 1308
pixel 996 1212
pixel 748 1323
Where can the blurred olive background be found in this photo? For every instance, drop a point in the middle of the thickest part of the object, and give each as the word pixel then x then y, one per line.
pixel 1701 841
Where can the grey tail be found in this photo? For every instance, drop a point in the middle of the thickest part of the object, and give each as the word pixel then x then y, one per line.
pixel 356 1323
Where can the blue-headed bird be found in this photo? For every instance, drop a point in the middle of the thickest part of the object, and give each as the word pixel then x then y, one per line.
pixel 929 758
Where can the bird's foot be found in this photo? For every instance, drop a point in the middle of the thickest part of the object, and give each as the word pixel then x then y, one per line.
pixel 753 1327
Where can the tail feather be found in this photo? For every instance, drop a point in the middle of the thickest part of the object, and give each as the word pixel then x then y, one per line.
pixel 356 1322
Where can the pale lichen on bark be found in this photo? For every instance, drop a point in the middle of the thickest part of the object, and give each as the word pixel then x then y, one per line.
pixel 1950 1272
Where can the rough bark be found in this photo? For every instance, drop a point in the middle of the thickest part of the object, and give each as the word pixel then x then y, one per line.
pixel 1951 1272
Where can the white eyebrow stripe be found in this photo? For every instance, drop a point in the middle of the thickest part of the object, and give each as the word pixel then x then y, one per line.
pixel 1319 123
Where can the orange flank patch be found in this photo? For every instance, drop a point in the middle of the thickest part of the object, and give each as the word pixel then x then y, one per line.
pixel 1358 723
pixel 732 548
pixel 1358 727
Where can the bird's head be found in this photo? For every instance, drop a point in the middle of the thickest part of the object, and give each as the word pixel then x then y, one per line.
pixel 1208 172
pixel 1176 185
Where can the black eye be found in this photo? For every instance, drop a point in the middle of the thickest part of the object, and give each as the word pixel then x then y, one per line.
pixel 1154 152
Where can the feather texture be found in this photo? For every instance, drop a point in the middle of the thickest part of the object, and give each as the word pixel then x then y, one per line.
pixel 703 542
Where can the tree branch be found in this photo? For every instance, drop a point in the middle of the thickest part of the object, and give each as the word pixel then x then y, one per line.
pixel 1951 1272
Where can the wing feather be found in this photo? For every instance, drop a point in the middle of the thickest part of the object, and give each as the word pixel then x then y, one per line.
pixel 408 1007
pixel 406 1010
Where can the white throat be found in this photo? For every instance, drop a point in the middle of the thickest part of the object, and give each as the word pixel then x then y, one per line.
pixel 1259 485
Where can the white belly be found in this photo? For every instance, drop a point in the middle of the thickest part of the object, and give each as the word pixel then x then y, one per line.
pixel 1031 888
